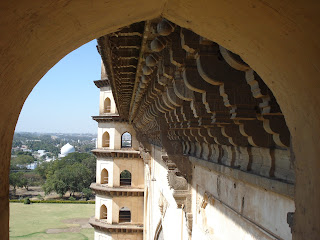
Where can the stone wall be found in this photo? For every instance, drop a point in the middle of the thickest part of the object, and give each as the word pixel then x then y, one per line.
pixel 222 205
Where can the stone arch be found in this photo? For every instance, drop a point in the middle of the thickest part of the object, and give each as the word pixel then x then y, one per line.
pixel 106 139
pixel 103 212
pixel 290 42
pixel 126 140
pixel 104 176
pixel 125 178
pixel 107 105
pixel 159 232
pixel 124 215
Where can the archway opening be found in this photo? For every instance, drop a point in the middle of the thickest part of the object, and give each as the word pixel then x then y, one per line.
pixel 255 41
pixel 125 178
pixel 103 212
pixel 126 140
pixel 107 105
pixel 104 176
pixel 106 140
pixel 124 215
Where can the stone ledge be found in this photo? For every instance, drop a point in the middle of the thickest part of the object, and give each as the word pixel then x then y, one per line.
pixel 126 191
pixel 268 184
pixel 108 117
pixel 102 83
pixel 115 227
pixel 116 153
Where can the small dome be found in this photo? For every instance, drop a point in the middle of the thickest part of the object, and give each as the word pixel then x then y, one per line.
pixel 66 149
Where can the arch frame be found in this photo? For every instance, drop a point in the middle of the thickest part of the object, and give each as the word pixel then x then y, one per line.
pixel 107 173
pixel 269 36
pixel 105 213
pixel 107 105
pixel 158 230
pixel 106 142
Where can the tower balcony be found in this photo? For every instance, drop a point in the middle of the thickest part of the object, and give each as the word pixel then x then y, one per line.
pixel 102 83
pixel 116 153
pixel 108 117
pixel 126 191
pixel 102 225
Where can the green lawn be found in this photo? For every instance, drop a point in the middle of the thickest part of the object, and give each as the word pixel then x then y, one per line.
pixel 32 221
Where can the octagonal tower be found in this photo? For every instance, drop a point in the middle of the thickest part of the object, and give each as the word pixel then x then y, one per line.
pixel 119 185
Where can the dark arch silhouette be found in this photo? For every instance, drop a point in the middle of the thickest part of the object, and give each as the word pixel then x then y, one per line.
pixel 208 20
pixel 124 215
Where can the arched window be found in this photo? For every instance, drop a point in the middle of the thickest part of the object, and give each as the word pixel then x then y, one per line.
pixel 103 212
pixel 126 140
pixel 124 215
pixel 104 176
pixel 106 140
pixel 125 178
pixel 107 105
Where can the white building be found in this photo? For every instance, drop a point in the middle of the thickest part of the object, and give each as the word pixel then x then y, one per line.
pixel 66 149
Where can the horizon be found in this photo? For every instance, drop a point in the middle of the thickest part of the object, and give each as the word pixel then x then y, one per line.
pixel 54 133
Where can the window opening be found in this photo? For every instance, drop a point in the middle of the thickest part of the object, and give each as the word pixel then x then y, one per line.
pixel 107 105
pixel 124 215
pixel 103 212
pixel 125 178
pixel 106 140
pixel 126 140
pixel 104 176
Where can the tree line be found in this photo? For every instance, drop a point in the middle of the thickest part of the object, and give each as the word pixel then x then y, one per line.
pixel 73 173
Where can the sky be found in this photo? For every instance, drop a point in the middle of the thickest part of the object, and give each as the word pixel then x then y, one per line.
pixel 65 98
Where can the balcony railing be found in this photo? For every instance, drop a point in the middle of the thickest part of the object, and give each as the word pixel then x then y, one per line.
pixel 125 181
pixel 107 109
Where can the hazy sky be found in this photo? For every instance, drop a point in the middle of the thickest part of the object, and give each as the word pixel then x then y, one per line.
pixel 65 98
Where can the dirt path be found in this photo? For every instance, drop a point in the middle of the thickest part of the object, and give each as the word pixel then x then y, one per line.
pixel 81 222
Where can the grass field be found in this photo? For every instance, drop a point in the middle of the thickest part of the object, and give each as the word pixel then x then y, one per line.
pixel 51 221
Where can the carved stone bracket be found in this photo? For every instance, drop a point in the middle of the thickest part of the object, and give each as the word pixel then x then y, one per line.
pixel 163 205
pixel 181 190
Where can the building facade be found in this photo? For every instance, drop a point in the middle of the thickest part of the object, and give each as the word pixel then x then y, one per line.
pixel 213 139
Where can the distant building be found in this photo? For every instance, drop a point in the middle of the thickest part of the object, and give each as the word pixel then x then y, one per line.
pixel 49 159
pixel 41 152
pixel 54 137
pixel 66 149
pixel 32 166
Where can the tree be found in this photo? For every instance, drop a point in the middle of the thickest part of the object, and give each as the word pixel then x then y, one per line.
pixel 24 179
pixel 22 159
pixel 42 169
pixel 54 184
pixel 15 180
pixel 30 179
pixel 90 163
pixel 72 173
pixel 87 193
